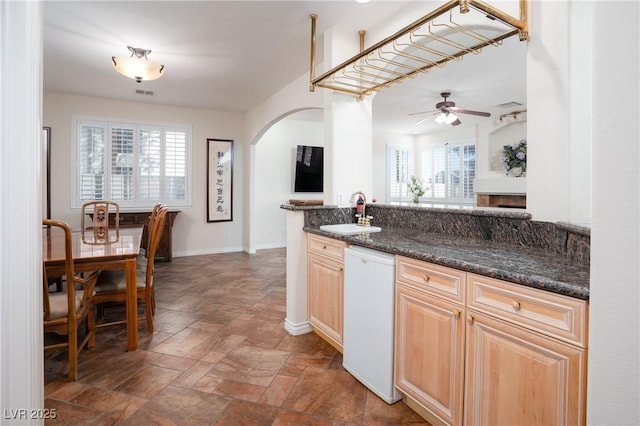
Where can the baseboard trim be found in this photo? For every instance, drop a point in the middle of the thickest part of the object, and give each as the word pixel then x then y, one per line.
pixel 188 253
pixel 297 329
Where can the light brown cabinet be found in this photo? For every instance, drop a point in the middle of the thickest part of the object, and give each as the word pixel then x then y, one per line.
pixel 517 377
pixel 526 355
pixel 429 348
pixel 474 350
pixel 325 287
pixel 430 352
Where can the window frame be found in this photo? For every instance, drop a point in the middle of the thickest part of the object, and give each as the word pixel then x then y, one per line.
pixel 137 202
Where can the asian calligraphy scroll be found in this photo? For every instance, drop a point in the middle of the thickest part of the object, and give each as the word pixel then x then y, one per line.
pixel 219 180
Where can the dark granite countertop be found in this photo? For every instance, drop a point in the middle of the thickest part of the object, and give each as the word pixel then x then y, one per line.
pixel 529 266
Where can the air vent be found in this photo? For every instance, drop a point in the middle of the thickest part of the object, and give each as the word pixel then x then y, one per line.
pixel 144 92
pixel 509 104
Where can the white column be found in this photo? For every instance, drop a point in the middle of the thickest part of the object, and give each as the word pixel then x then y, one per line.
pixel 613 383
pixel 348 147
pixel 348 130
pixel 21 355
pixel 549 109
pixel 296 320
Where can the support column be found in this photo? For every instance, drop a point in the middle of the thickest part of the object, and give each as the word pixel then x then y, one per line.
pixel 21 353
pixel 348 130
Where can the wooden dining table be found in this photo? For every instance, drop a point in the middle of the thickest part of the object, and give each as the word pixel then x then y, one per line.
pixel 99 256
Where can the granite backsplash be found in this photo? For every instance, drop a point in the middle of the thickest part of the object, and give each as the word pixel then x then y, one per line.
pixel 502 226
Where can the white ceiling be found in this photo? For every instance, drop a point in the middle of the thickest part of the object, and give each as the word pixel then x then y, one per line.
pixel 232 55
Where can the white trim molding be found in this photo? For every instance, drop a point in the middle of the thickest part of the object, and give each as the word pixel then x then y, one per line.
pixel 21 347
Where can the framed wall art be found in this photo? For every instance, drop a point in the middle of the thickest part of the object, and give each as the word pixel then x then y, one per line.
pixel 219 180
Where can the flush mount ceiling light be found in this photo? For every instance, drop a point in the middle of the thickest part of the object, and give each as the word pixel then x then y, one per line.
pixel 138 66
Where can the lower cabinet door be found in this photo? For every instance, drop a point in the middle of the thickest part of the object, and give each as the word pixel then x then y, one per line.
pixel 326 297
pixel 429 353
pixel 518 377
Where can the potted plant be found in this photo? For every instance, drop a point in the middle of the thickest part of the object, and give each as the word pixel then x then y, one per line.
pixel 514 159
pixel 416 188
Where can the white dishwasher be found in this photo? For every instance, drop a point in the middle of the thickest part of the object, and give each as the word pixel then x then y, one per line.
pixel 369 284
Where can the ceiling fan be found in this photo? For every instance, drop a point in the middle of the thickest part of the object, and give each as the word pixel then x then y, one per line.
pixel 447 112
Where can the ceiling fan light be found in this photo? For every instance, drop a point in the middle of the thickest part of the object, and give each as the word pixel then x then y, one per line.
pixel 137 66
pixel 450 118
pixel 440 119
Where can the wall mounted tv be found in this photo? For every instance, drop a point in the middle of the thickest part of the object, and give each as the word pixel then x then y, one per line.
pixel 309 169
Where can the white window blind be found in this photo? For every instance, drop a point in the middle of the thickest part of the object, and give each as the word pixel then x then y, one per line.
pixel 147 164
pixel 122 177
pixel 91 153
pixel 449 169
pixel 398 172
pixel 175 166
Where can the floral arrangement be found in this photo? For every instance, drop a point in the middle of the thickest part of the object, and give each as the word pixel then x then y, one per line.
pixel 416 188
pixel 514 158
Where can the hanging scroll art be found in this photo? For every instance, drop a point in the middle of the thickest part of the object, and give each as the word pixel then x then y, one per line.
pixel 219 180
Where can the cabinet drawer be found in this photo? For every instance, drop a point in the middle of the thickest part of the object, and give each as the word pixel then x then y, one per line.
pixel 324 246
pixel 548 313
pixel 437 280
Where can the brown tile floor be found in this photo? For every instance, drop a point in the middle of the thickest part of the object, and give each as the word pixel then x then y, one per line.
pixel 219 355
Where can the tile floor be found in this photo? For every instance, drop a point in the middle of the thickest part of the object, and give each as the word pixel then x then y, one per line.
pixel 219 355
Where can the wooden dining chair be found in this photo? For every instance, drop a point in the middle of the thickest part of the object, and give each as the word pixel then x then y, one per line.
pixel 64 311
pixel 152 218
pixel 141 261
pixel 111 285
pixel 97 232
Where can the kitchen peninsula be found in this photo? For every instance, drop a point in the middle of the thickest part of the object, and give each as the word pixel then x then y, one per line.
pixel 498 243
pixel 487 301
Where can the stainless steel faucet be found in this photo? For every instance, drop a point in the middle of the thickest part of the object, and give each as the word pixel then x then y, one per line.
pixel 363 219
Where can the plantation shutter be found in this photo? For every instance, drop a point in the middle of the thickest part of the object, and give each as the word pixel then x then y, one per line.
pixel 90 157
pixel 439 172
pixel 454 175
pixel 398 172
pixel 175 187
pixel 449 171
pixel 135 165
pixel 122 161
pixel 469 167
pixel 149 161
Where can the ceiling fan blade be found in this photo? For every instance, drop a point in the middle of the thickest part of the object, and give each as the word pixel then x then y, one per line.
pixel 455 123
pixel 468 111
pixel 426 118
pixel 423 112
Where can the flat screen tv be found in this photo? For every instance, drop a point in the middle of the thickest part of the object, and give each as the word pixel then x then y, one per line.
pixel 309 169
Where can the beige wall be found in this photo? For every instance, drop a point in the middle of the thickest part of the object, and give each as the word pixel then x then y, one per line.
pixel 192 234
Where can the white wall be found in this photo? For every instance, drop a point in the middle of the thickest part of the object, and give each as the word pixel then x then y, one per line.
pixel 274 170
pixel 294 97
pixel 614 328
pixel 548 104
pixel 192 234
pixel 507 134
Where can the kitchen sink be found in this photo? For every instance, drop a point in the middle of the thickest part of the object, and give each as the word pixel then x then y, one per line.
pixel 349 228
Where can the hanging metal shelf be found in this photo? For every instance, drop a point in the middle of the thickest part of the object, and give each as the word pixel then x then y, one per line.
pixel 448 33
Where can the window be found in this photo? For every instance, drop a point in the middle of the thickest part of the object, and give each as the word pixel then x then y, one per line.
pixel 398 161
pixel 449 170
pixel 135 165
